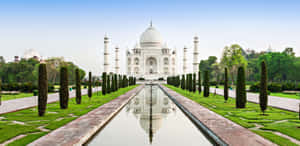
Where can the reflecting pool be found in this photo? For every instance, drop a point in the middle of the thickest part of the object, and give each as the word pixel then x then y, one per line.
pixel 150 119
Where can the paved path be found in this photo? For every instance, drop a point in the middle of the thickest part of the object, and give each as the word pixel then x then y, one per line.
pixel 80 130
pixel 28 102
pixel 230 132
pixel 278 102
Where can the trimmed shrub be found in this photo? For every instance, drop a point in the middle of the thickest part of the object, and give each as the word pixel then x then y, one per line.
pixel 63 91
pixel 226 85
pixel 42 89
pixel 263 95
pixel 104 83
pixel 199 82
pixel 161 79
pixel 78 86
pixel 35 92
pixel 141 79
pixel 255 87
pixel 275 87
pixel 241 98
pixel 206 84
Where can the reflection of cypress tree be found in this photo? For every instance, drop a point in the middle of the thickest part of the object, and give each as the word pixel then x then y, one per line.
pixel 241 98
pixel 206 84
pixel 199 82
pixel 78 86
pixel 43 89
pixel 104 83
pixel 263 95
pixel 90 85
pixel 64 92
pixel 226 85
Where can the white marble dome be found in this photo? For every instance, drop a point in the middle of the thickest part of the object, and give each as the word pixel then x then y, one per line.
pixel 151 38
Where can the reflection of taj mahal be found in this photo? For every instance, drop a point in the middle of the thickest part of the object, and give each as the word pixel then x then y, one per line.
pixel 140 107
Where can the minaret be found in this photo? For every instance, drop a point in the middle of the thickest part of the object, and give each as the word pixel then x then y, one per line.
pixel 117 61
pixel 106 55
pixel 184 60
pixel 196 63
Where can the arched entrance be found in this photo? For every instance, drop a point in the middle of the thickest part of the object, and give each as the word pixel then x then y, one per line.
pixel 151 66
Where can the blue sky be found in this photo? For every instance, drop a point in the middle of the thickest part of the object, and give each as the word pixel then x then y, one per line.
pixel 75 28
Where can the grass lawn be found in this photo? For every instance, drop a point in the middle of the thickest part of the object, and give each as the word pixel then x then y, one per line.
pixel 15 96
pixel 278 120
pixel 28 120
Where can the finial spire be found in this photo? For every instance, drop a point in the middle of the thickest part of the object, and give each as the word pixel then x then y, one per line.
pixel 151 23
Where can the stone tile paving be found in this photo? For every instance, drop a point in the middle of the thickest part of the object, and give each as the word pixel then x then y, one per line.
pixel 278 102
pixel 80 130
pixel 230 132
pixel 28 102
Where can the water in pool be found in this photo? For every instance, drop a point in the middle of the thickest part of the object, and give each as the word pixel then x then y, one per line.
pixel 150 119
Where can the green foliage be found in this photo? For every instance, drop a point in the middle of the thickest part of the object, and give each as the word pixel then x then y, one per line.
pixel 263 95
pixel 233 57
pixel 43 90
pixel 206 84
pixel 90 85
pixel 104 88
pixel 241 98
pixel 226 85
pixel 78 86
pixel 64 91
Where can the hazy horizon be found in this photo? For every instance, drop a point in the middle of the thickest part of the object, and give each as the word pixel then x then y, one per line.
pixel 75 29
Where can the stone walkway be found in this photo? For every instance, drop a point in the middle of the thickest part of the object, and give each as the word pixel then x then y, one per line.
pixel 278 102
pixel 28 102
pixel 80 130
pixel 230 132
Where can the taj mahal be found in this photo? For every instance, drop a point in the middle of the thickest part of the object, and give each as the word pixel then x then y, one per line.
pixel 151 58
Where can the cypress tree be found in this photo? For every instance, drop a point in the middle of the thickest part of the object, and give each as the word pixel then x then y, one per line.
pixel 108 86
pixel 206 84
pixel 241 98
pixel 263 95
pixel 186 82
pixel 199 82
pixel 43 90
pixel 113 83
pixel 78 86
pixel 120 81
pixel 182 82
pixel 134 80
pixel 194 82
pixel 116 82
pixel 90 85
pixel 64 92
pixel 226 85
pixel 104 83
pixel 191 82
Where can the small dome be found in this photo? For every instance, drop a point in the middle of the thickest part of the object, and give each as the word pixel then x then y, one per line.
pixel 151 38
